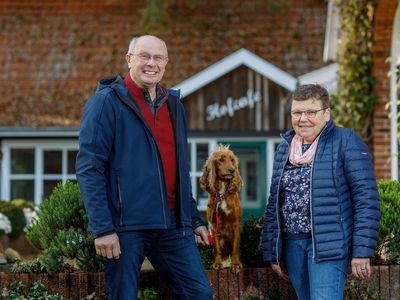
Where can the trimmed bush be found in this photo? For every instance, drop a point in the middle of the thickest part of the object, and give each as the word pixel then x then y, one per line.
pixel 207 256
pixel 250 242
pixel 388 250
pixel 28 267
pixel 357 289
pixel 60 232
pixel 18 291
pixel 16 217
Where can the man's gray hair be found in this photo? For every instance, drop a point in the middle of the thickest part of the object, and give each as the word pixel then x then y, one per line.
pixel 132 43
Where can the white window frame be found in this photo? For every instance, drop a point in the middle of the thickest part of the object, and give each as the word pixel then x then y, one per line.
pixel 194 173
pixel 271 144
pixel 331 32
pixel 39 147
pixel 395 62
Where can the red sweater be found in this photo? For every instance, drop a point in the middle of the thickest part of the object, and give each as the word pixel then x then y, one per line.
pixel 161 126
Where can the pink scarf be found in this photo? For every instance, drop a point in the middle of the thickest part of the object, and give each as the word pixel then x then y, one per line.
pixel 297 157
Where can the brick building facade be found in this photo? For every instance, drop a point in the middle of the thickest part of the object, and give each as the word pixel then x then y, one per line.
pixel 52 53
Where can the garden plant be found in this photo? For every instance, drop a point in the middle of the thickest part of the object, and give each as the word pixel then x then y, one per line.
pixel 60 233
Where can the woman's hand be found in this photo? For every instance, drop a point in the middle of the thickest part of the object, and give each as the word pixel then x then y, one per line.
pixel 361 268
pixel 278 270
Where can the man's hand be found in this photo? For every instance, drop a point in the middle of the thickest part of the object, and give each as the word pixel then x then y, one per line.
pixel 108 246
pixel 201 234
pixel 278 270
pixel 361 268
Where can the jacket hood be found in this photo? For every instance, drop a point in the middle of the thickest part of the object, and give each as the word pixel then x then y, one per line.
pixel 109 82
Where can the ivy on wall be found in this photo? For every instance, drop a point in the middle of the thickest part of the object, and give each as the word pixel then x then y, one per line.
pixel 355 100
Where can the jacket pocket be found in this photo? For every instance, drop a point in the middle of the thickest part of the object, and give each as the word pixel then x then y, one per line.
pixel 119 197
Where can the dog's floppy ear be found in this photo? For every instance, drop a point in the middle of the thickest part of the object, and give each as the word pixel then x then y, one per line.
pixel 236 182
pixel 207 181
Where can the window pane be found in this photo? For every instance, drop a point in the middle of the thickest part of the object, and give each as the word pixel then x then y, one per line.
pixel 251 181
pixel 48 186
pixel 22 161
pixel 71 161
pixel 202 155
pixel 52 162
pixel 22 189
pixel 189 156
pixel 201 197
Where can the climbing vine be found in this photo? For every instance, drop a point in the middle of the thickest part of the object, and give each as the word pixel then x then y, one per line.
pixel 355 100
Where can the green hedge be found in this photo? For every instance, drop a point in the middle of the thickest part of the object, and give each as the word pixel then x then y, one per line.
pixel 60 232
pixel 388 250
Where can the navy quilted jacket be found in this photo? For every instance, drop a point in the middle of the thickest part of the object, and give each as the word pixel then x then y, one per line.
pixel 344 198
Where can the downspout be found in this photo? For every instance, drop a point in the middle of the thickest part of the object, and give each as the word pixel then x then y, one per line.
pixel 395 61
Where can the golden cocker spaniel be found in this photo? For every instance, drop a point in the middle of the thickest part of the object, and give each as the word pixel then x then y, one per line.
pixel 221 179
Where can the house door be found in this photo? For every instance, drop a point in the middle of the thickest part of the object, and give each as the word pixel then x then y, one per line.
pixel 252 167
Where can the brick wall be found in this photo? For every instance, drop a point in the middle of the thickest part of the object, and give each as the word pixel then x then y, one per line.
pixel 53 52
pixel 383 23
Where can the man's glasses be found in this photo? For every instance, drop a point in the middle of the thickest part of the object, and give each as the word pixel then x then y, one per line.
pixel 296 114
pixel 146 57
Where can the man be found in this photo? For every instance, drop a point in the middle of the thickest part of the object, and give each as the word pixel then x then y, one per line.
pixel 133 174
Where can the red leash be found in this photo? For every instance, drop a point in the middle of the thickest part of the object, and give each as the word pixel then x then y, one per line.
pixel 213 231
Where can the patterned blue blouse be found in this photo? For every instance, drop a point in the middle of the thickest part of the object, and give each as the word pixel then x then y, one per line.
pixel 295 197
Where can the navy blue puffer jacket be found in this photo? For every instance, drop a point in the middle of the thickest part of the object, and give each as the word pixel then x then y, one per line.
pixel 344 198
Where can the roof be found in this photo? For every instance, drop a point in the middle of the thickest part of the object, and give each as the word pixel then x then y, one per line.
pixel 231 62
pixel 326 76
pixel 42 132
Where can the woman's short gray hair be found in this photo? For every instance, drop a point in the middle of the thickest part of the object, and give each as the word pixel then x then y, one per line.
pixel 312 91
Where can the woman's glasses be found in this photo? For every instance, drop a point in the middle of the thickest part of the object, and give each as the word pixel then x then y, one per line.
pixel 296 114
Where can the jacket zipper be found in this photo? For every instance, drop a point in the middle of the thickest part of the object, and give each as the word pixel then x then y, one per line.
pixel 177 159
pixel 138 113
pixel 277 204
pixel 311 210
pixel 162 194
pixel 121 205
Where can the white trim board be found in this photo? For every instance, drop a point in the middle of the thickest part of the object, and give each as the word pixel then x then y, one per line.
pixel 326 76
pixel 231 62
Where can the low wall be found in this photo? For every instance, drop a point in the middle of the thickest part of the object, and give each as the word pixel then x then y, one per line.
pixel 254 282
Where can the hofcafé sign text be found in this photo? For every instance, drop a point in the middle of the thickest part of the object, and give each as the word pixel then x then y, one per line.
pixel 218 110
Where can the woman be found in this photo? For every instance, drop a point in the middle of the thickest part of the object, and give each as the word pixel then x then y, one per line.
pixel 323 209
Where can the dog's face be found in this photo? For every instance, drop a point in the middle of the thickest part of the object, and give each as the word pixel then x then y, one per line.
pixel 225 163
pixel 222 165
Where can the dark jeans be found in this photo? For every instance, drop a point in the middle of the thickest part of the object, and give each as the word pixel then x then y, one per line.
pixel 172 252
